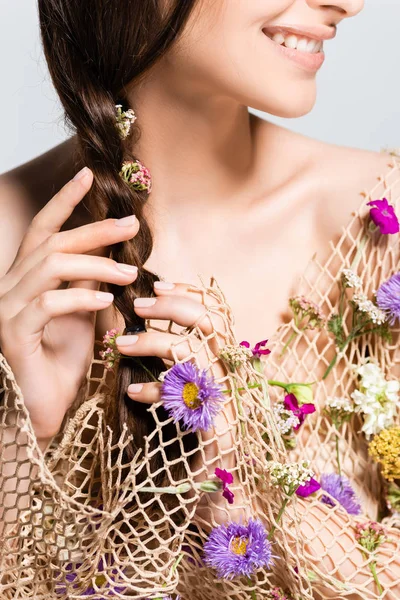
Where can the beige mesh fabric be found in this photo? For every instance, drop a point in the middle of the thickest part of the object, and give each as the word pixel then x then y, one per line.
pixel 77 524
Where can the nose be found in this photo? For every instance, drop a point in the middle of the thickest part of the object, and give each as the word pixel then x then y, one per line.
pixel 346 8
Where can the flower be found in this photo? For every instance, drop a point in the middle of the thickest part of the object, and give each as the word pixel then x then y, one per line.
pixel 258 348
pixel 236 355
pixel 236 549
pixel 383 216
pixel 136 175
pixel 302 391
pixel 100 582
pixel 292 476
pixel 385 449
pixel 227 479
pixel 277 593
pixel 125 120
pixel 285 419
pixel 350 279
pixel 388 298
pixel 191 396
pixel 111 354
pixel 339 410
pixel 363 305
pixel 339 487
pixel 376 398
pixel 301 411
pixel 303 308
pixel 370 535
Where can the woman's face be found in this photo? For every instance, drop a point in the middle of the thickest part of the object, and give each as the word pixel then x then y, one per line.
pixel 227 50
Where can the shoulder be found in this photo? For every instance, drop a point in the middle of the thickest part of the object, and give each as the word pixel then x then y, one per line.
pixel 25 190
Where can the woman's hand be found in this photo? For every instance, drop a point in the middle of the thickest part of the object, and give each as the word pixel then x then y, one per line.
pixel 49 299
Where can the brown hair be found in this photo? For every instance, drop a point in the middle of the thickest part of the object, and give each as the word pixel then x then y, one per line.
pixel 94 49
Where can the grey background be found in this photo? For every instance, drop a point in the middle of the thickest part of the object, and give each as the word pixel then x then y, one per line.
pixel 358 99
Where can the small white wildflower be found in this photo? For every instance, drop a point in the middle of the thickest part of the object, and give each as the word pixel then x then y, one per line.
pixel 362 304
pixel 125 120
pixel 285 419
pixel 376 398
pixel 289 476
pixel 350 279
pixel 235 355
pixel 340 404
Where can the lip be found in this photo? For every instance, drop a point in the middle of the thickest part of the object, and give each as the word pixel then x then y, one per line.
pixel 309 62
pixel 316 32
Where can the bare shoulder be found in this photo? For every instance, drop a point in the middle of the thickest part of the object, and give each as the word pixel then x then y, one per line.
pixel 346 176
pixel 25 190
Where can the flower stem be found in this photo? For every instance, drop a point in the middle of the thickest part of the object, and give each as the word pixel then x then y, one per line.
pixel 337 456
pixel 277 383
pixel 153 377
pixel 372 566
pixel 290 340
pixel 358 255
pixel 252 593
pixel 278 518
pixel 240 409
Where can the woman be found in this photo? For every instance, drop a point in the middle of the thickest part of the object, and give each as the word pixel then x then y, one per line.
pixel 229 191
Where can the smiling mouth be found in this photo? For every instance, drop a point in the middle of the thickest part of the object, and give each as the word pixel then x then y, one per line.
pixel 296 42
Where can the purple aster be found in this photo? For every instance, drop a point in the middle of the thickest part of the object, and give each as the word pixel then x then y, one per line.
pixel 309 488
pixel 340 488
pixel 388 298
pixel 100 580
pixel 192 396
pixel 291 403
pixel 384 217
pixel 227 479
pixel 235 549
pixel 258 348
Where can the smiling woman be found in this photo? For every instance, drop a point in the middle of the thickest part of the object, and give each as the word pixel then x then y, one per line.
pixel 145 450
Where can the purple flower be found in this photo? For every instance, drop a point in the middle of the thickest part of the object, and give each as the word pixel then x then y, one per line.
pixel 309 488
pixel 257 350
pixel 388 298
pixel 291 403
pixel 383 216
pixel 100 580
pixel 340 488
pixel 191 396
pixel 236 549
pixel 227 479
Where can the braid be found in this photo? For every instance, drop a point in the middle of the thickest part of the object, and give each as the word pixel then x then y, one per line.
pixel 84 61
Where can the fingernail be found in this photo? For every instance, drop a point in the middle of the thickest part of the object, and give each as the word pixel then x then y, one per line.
pixel 144 302
pixel 163 285
pixel 127 340
pixel 81 174
pixel 126 268
pixel 134 388
pixel 104 296
pixel 126 221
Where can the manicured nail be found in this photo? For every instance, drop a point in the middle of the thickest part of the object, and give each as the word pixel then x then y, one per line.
pixel 105 296
pixel 144 302
pixel 163 285
pixel 130 269
pixel 127 340
pixel 126 221
pixel 81 174
pixel 135 388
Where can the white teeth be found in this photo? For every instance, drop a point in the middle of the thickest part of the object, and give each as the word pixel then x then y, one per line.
pixel 301 44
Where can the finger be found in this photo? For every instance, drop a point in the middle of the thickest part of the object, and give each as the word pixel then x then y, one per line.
pixel 52 217
pixel 54 303
pixel 167 346
pixel 168 288
pixel 55 269
pixel 182 310
pixel 148 393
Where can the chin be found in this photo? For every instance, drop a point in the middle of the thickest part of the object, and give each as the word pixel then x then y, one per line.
pixel 289 105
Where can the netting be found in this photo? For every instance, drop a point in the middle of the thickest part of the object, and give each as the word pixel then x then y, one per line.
pixel 80 522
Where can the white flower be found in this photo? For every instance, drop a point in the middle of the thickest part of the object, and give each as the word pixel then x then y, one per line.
pixel 285 419
pixel 364 305
pixel 350 279
pixel 340 404
pixel 235 355
pixel 289 476
pixel 376 399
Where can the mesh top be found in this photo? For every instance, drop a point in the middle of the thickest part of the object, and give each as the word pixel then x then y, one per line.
pixel 78 523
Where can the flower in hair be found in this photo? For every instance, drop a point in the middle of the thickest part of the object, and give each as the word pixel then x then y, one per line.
pixel 111 354
pixel 136 175
pixel 125 120
pixel 191 396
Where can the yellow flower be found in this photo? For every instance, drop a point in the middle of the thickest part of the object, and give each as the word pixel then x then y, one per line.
pixel 385 449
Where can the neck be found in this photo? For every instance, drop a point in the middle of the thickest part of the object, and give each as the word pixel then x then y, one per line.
pixel 199 148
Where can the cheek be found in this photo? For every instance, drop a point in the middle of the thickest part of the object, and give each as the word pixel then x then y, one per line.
pixel 226 53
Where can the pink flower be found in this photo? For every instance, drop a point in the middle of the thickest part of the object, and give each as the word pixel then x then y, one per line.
pixel 227 479
pixel 309 488
pixel 384 217
pixel 291 403
pixel 257 350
